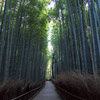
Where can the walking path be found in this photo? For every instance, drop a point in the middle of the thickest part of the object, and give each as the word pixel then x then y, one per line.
pixel 48 93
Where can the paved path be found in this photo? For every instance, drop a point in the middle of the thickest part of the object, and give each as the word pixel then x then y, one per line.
pixel 48 93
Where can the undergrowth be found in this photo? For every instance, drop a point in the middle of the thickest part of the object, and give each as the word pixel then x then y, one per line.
pixel 11 89
pixel 78 86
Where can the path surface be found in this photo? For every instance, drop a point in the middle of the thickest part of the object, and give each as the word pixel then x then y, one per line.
pixel 48 93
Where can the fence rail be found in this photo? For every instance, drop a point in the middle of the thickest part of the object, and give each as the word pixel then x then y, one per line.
pixel 27 93
pixel 72 95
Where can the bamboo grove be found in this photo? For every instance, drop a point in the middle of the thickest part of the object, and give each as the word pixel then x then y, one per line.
pixel 23 39
pixel 76 36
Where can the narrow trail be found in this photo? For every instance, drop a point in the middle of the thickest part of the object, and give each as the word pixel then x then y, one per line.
pixel 48 93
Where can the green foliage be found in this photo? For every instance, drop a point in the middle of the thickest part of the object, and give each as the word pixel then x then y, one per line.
pixel 29 23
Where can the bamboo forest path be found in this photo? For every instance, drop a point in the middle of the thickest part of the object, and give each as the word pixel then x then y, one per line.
pixel 49 39
pixel 48 93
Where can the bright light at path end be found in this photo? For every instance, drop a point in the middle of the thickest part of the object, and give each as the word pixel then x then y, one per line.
pixel 52 4
pixel 87 5
pixel 50 47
